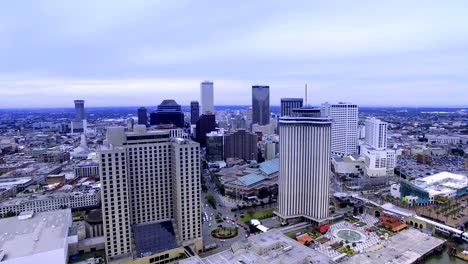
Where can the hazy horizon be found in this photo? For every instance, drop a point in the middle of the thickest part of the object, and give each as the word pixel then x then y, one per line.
pixel 140 52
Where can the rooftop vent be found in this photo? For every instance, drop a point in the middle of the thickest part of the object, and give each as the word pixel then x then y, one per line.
pixel 25 215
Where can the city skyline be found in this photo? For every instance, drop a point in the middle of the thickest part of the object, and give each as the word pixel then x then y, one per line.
pixel 141 52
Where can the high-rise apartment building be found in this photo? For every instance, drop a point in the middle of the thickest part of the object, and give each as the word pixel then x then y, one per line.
pixel 142 116
pixel 79 110
pixel 379 161
pixel 151 200
pixel 260 104
pixel 376 133
pixel 194 112
pixel 288 104
pixel 305 144
pixel 207 97
pixel 168 112
pixel 344 133
pixel 241 144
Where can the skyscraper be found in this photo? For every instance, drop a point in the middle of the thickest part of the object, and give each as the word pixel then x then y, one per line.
pixel 151 200
pixel 142 116
pixel 168 112
pixel 260 104
pixel 288 104
pixel 194 112
pixel 344 133
pixel 207 97
pixel 79 110
pixel 376 133
pixel 205 124
pixel 241 144
pixel 304 165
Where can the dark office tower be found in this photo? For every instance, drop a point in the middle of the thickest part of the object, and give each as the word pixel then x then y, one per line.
pixel 194 112
pixel 241 144
pixel 260 104
pixel 79 110
pixel 168 112
pixel 142 116
pixel 205 124
pixel 288 104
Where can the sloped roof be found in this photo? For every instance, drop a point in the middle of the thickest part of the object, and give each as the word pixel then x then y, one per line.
pixel 270 166
pixel 169 102
pixel 250 179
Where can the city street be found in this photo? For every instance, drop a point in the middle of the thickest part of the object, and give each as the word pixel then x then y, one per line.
pixel 225 210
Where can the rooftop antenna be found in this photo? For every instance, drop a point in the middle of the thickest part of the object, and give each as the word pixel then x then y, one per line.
pixel 305 94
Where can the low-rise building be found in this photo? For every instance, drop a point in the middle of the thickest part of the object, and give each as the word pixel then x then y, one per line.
pixel 270 247
pixel 52 201
pixel 253 180
pixel 86 168
pixel 426 190
pixel 378 163
pixel 353 164
pixel 34 238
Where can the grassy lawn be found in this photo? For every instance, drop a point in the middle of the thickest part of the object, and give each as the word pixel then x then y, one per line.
pixel 257 215
pixel 310 230
pixel 85 256
pixel 348 251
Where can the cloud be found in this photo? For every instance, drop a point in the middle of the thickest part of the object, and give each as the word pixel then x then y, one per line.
pixel 140 52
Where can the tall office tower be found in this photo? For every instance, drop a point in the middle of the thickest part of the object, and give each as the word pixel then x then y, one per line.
pixel 344 127
pixel 205 124
pixel 260 104
pixel 288 104
pixel 305 144
pixel 207 97
pixel 142 116
pixel 376 133
pixel 78 125
pixel 194 112
pixel 151 201
pixel 168 112
pixel 79 110
pixel 240 144
pixel 215 146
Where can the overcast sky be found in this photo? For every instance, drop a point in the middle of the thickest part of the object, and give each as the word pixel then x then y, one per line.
pixel 139 52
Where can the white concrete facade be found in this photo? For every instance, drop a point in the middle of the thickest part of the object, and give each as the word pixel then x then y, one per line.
pixel 378 163
pixel 304 166
pixel 344 133
pixel 54 201
pixel 376 133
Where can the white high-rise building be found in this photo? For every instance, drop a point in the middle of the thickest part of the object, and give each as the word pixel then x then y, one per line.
pixel 376 133
pixel 304 176
pixel 379 161
pixel 150 183
pixel 344 133
pixel 207 97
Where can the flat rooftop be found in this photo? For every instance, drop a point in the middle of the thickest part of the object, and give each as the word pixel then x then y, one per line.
pixel 269 247
pixel 46 231
pixel 154 237
pixel 14 181
pixel 404 247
